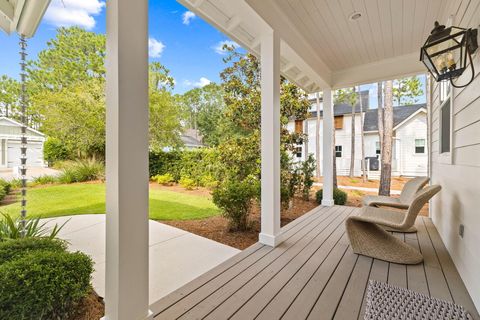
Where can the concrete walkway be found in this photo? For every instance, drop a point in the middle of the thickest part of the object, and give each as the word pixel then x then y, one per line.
pixel 392 192
pixel 176 256
pixel 32 172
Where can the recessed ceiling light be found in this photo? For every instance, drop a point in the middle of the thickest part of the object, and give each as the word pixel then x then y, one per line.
pixel 355 16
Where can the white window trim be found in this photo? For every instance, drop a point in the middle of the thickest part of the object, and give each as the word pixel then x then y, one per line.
pixel 425 151
pixel 446 157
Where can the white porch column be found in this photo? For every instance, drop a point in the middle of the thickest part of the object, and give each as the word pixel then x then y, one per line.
pixel 270 132
pixel 126 292
pixel 327 148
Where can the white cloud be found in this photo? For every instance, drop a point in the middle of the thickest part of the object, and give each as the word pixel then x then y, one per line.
pixel 69 13
pixel 187 17
pixel 155 48
pixel 219 46
pixel 202 82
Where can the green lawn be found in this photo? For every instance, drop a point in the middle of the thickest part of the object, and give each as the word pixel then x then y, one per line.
pixel 85 198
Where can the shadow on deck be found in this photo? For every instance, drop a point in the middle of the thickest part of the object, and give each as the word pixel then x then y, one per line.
pixel 312 275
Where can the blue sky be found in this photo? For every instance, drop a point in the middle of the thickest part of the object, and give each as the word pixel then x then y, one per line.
pixel 181 41
pixel 186 45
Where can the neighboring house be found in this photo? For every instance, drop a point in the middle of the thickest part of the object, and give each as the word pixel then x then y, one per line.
pixel 10 139
pixel 410 154
pixel 192 139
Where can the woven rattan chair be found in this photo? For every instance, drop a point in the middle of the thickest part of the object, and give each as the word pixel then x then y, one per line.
pixel 368 237
pixel 406 197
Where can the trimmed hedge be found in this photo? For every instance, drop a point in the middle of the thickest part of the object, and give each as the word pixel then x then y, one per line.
pixel 339 196
pixel 13 249
pixel 199 165
pixel 39 279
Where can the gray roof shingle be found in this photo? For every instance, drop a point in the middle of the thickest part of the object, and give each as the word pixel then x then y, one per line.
pixel 370 122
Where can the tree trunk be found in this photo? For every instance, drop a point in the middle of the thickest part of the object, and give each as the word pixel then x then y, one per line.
pixel 317 137
pixel 305 139
pixel 364 171
pixel 386 173
pixel 380 114
pixel 352 151
pixel 334 167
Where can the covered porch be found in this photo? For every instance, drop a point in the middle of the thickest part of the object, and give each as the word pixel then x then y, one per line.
pixel 307 268
pixel 313 274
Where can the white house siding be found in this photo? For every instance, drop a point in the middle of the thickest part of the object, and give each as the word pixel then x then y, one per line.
pixel 405 161
pixel 459 172
pixel 411 163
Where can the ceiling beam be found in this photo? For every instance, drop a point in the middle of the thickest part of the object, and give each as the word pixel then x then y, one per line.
pixel 6 8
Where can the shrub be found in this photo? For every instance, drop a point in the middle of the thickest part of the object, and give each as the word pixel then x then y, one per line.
pixel 15 183
pixel 81 171
pixel 339 196
pixel 54 150
pixel 307 168
pixel 5 188
pixel 235 199
pixel 11 228
pixel 187 183
pixel 162 162
pixel 13 249
pixel 44 179
pixel 208 181
pixel 165 179
pixel 44 284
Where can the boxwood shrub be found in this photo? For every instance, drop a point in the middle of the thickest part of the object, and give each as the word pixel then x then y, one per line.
pixel 339 196
pixel 44 281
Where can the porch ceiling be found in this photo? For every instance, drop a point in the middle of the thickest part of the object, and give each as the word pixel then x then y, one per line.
pixel 22 16
pixel 322 46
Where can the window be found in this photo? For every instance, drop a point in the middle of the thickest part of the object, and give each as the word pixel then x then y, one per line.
pixel 338 151
pixel 419 145
pixel 299 126
pixel 338 122
pixel 445 126
pixel 377 147
pixel 298 151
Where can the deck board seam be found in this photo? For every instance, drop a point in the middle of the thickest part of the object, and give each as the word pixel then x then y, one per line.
pixel 339 213
pixel 439 261
pixel 301 266
pixel 344 288
pixel 323 213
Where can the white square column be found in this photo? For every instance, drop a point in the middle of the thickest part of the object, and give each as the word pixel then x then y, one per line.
pixel 126 291
pixel 327 148
pixel 270 139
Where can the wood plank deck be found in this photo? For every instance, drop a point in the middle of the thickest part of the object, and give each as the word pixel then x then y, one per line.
pixel 312 275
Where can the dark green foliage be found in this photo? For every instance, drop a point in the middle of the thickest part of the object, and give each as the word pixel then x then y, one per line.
pixel 339 196
pixel 5 188
pixel 161 162
pixel 44 284
pixel 307 169
pixel 235 199
pixel 13 249
pixel 198 165
pixel 54 150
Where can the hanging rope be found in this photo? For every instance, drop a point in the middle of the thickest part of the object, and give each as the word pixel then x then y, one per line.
pixel 23 148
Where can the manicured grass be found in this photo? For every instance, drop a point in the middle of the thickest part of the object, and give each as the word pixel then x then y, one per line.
pixel 88 198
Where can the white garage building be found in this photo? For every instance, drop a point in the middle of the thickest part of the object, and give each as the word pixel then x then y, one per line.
pixel 10 137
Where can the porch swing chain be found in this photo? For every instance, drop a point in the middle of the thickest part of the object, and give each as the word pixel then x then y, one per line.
pixel 23 148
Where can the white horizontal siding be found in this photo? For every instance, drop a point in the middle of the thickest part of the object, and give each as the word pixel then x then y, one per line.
pixel 460 180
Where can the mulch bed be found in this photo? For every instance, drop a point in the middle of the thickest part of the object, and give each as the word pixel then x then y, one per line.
pixel 90 308
pixel 216 228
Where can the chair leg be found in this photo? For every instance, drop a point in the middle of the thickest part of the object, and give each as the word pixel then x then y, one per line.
pixel 371 240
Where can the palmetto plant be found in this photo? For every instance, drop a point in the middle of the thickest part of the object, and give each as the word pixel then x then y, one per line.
pixel 11 228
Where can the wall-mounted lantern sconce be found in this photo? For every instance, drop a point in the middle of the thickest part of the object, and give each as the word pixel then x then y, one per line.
pixel 447 52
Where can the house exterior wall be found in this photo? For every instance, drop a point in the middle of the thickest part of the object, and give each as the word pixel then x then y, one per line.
pixel 409 162
pixel 404 161
pixel 458 171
